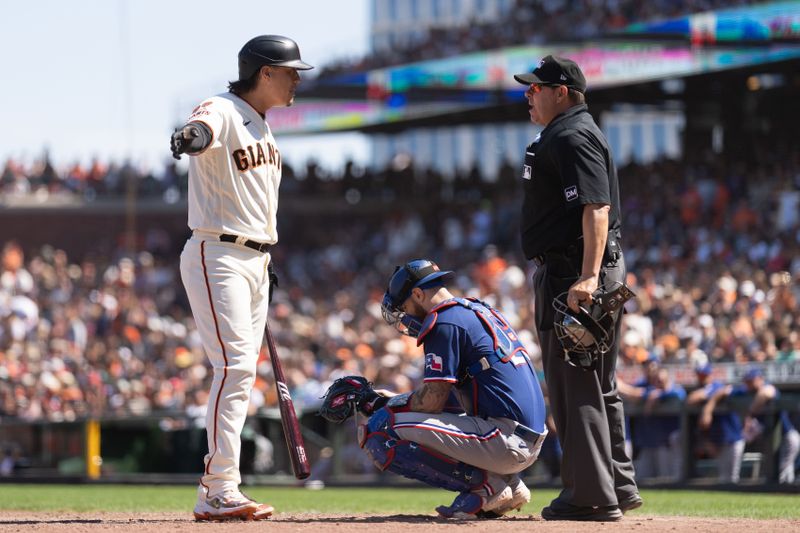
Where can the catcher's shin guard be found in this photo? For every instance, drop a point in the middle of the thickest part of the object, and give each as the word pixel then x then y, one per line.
pixel 415 461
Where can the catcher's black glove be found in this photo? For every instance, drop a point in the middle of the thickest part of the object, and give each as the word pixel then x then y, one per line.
pixel 346 395
pixel 273 280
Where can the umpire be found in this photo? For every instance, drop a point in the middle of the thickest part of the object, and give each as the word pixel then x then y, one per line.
pixel 570 228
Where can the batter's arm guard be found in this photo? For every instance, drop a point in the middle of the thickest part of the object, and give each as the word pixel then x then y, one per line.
pixel 192 138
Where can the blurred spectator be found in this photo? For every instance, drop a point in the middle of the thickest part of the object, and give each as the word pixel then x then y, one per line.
pixel 756 423
pixel 720 432
pixel 655 436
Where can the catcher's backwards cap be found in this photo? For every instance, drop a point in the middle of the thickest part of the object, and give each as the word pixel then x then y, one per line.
pixel 422 273
pixel 271 50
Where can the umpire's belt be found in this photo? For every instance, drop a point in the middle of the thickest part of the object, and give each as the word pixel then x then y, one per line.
pixel 551 257
pixel 262 247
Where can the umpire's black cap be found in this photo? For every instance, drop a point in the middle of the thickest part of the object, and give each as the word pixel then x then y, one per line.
pixel 272 50
pixel 555 71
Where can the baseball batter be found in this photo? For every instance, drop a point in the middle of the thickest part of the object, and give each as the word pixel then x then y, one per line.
pixel 477 420
pixel 234 175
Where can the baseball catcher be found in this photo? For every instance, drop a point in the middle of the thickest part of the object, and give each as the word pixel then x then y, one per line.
pixel 477 420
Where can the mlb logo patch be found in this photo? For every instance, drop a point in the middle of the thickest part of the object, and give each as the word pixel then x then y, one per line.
pixel 571 193
pixel 526 172
pixel 434 362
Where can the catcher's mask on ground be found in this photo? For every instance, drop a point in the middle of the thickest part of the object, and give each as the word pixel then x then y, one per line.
pixel 589 333
pixel 419 273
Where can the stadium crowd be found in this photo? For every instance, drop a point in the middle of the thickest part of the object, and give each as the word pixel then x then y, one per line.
pixel 713 247
pixel 528 22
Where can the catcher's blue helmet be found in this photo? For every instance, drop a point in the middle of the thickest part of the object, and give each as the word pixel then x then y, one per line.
pixel 419 273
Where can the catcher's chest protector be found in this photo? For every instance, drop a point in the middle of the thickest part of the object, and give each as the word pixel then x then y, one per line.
pixel 507 346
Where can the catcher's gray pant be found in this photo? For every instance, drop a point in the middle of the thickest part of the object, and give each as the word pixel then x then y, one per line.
pixel 790 447
pixel 490 443
pixel 729 461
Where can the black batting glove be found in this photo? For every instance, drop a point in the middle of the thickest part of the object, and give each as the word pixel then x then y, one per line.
pixel 190 139
pixel 273 279
pixel 181 140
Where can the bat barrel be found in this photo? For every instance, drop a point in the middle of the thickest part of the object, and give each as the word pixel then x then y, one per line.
pixel 291 426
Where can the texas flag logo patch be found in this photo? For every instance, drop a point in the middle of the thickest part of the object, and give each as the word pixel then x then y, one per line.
pixel 434 362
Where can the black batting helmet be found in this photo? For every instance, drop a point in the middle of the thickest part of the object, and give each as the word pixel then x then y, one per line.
pixel 269 50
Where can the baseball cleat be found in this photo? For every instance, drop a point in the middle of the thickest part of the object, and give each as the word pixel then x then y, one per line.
pixel 631 503
pixel 609 513
pixel 471 506
pixel 232 505
pixel 520 495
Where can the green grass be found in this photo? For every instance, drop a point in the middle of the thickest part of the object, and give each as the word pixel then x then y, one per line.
pixel 158 498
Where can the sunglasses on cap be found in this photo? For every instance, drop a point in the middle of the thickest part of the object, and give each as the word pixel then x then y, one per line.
pixel 537 87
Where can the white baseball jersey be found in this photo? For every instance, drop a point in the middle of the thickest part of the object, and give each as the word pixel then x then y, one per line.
pixel 233 183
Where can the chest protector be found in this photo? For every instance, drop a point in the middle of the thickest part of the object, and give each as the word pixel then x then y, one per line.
pixel 507 346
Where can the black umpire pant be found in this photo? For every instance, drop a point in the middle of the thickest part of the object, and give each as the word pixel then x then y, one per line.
pixel 586 407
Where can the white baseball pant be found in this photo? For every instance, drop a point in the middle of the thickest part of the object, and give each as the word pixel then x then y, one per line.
pixel 228 290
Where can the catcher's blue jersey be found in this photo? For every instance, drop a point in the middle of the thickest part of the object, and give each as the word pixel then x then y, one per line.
pixel 456 337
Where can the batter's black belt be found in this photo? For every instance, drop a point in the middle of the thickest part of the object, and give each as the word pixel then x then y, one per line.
pixel 262 247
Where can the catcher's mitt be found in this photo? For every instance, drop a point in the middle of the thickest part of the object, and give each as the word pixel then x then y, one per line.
pixel 346 395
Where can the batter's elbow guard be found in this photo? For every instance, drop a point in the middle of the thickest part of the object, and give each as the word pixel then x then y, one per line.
pixel 194 137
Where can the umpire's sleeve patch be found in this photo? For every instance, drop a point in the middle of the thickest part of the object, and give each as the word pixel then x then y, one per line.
pixel 526 172
pixel 571 193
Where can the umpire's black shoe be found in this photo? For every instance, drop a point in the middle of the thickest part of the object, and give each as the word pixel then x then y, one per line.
pixel 630 503
pixel 610 513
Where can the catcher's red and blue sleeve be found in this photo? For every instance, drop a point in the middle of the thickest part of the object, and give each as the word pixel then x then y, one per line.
pixel 442 353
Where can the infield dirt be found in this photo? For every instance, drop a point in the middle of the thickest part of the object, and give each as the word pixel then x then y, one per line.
pixel 317 523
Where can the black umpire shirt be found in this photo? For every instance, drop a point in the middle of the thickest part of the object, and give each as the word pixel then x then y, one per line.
pixel 567 166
